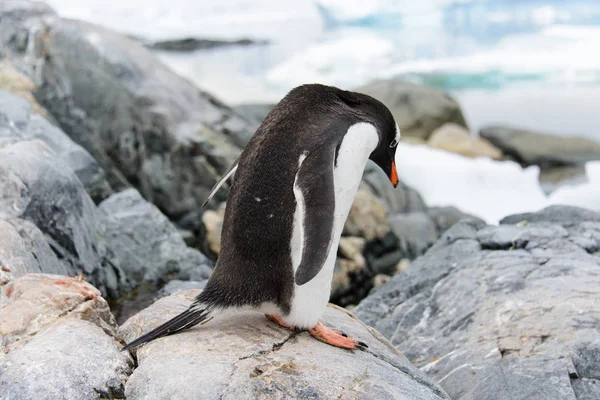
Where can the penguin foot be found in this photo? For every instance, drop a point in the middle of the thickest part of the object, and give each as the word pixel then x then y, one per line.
pixel 278 320
pixel 335 338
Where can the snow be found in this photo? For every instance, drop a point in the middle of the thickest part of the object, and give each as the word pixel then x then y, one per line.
pixel 486 188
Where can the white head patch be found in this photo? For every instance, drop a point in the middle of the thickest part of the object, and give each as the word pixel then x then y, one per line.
pixel 397 138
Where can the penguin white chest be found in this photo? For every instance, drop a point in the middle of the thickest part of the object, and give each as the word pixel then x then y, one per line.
pixel 310 299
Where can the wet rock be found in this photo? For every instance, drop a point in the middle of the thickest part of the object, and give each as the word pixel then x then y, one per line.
pixel 58 341
pixel 417 109
pixel 245 356
pixel 536 148
pixel 143 123
pixel 491 310
pixel 457 139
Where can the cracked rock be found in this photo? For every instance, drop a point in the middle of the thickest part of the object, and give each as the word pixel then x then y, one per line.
pixel 497 312
pixel 58 341
pixel 246 356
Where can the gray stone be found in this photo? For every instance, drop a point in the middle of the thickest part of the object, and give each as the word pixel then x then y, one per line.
pixel 254 113
pixel 417 109
pixel 416 232
pixel 144 124
pixel 58 341
pixel 545 150
pixel 52 224
pixel 445 217
pixel 146 244
pixel 562 215
pixel 401 199
pixel 512 310
pixel 245 356
pixel 19 121
pixel 176 286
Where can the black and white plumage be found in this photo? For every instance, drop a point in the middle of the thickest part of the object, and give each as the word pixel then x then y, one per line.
pixel 294 185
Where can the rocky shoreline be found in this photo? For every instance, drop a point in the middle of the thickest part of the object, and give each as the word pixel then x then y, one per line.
pixel 105 158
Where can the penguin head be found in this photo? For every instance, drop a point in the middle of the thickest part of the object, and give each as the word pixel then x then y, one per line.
pixel 370 110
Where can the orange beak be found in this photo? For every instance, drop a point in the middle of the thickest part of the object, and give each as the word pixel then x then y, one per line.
pixel 394 175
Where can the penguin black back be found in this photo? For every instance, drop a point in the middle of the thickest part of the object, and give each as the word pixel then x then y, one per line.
pixel 254 265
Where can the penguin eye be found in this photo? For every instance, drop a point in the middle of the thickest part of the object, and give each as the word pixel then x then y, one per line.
pixel 394 143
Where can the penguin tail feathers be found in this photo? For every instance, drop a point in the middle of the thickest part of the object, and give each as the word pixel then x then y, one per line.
pixel 190 317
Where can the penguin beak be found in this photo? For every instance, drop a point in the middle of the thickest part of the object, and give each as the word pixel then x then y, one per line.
pixel 394 175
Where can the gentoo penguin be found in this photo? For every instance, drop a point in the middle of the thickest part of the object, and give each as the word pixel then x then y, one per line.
pixel 294 185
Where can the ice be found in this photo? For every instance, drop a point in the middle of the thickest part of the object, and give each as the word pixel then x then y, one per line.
pixel 481 187
pixel 486 188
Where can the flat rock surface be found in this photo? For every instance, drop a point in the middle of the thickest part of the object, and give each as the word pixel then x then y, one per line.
pixel 58 341
pixel 246 356
pixel 510 311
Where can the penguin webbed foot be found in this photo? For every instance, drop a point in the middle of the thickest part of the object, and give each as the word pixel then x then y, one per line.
pixel 335 338
pixel 279 321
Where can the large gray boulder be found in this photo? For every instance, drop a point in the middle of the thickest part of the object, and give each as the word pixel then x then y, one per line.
pixel 58 341
pixel 146 244
pixel 51 224
pixel 246 356
pixel 418 109
pixel 512 310
pixel 536 148
pixel 143 123
pixel 19 121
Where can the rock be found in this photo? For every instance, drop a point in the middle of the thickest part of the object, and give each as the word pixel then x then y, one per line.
pixel 143 123
pixel 213 226
pixel 176 286
pixel 193 44
pixel 20 85
pixel 50 223
pixel 535 148
pixel 351 274
pixel 367 217
pixel 245 356
pixel 562 215
pixel 491 310
pixel 19 121
pixel 381 279
pixel 58 341
pixel 457 139
pixel 146 244
pixel 254 113
pixel 416 232
pixel 401 199
pixel 553 178
pixel 417 109
pixel 445 217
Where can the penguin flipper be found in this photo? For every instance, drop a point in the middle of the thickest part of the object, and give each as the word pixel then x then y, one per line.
pixel 221 181
pixel 186 319
pixel 315 181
